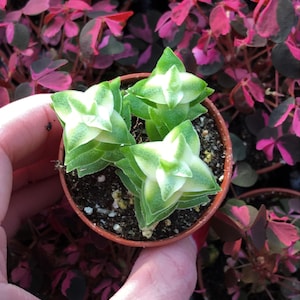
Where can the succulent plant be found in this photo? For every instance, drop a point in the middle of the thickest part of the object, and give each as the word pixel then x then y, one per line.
pixel 164 172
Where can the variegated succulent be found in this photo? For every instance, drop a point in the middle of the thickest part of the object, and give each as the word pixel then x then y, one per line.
pixel 164 172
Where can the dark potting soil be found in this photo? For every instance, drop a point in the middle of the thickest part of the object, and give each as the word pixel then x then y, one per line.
pixel 97 194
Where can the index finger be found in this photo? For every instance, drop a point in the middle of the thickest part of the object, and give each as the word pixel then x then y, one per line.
pixel 25 137
pixel 29 129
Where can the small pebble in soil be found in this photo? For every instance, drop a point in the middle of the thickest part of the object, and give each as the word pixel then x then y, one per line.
pixel 88 210
pixel 101 178
pixel 117 228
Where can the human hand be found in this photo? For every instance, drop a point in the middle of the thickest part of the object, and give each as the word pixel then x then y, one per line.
pixel 28 180
pixel 29 139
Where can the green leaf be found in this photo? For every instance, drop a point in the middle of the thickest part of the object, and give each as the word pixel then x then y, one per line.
pixel 245 176
pixel 187 202
pixel 166 61
pixel 152 207
pixel 138 107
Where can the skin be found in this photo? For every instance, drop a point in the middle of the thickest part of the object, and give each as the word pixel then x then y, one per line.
pixel 29 183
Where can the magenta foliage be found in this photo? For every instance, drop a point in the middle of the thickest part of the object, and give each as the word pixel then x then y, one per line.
pixel 262 246
pixel 240 46
pixel 67 258
pixel 45 33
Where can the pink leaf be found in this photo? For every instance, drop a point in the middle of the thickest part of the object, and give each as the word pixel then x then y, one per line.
pixel 10 32
pixel 296 121
pixel 116 22
pixel 67 282
pixel 232 248
pixel 45 66
pixel 281 112
pixel 286 233
pixel 56 81
pixel 294 49
pixel 226 228
pixel 22 275
pixel 288 146
pixel 271 27
pixel 247 96
pixel 35 7
pixel 4 96
pixel 78 5
pixel 102 285
pixel 54 27
pixel 71 29
pixel 256 89
pixel 3 4
pixel 96 270
pixel 258 228
pixel 267 145
pixel 242 214
pixel 181 11
pixel 89 37
pixel 219 22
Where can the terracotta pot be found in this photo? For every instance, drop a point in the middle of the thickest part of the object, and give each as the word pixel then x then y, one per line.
pixel 269 192
pixel 216 202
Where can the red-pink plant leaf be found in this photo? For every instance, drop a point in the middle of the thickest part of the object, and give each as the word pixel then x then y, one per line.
pixel 35 7
pixel 78 5
pixel 13 62
pixel 288 146
pixel 225 227
pixel 116 22
pixel 218 20
pixel 67 281
pixel 56 278
pixel 256 89
pixel 280 113
pixel 181 11
pixel 296 121
pixel 13 16
pixel 112 270
pixel 102 285
pixel 294 49
pixel 289 66
pixel 257 231
pixel 4 96
pixel 281 232
pixel 53 28
pixel 242 214
pixel 105 5
pixel 237 97
pixel 96 270
pixel 22 275
pixel 247 96
pixel 71 29
pixel 273 217
pixel 44 66
pixel 271 27
pixel 18 35
pixel 24 89
pixel 280 16
pixel 3 4
pixel 102 61
pixel 88 38
pixel 56 81
pixel 267 146
pixel 73 257
pixel 232 248
pixel 106 294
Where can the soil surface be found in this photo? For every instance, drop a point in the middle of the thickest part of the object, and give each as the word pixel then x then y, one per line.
pixel 96 194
